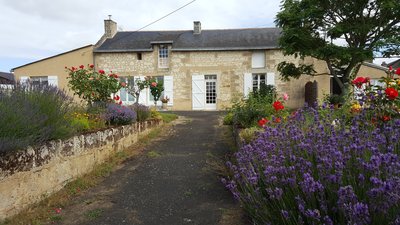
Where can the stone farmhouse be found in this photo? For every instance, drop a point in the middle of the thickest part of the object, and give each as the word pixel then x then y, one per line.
pixel 200 69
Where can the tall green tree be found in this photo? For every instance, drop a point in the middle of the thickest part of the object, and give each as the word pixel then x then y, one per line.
pixel 343 33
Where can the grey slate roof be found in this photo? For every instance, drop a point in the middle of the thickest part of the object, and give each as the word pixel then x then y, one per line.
pixel 208 40
pixel 7 76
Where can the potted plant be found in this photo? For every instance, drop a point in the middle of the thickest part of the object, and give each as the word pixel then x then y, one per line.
pixel 165 101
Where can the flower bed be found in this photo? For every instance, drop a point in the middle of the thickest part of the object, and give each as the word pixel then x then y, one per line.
pixel 311 170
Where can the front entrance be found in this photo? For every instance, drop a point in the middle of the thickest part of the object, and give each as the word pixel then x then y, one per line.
pixel 211 92
pixel 204 92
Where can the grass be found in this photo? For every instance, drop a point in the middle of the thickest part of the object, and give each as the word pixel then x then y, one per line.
pixel 93 214
pixel 168 117
pixel 43 212
pixel 153 154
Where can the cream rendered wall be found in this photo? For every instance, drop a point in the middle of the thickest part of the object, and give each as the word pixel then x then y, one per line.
pixel 229 66
pixel 55 66
pixel 373 73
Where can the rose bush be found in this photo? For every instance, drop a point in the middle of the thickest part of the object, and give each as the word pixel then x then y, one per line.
pixel 92 86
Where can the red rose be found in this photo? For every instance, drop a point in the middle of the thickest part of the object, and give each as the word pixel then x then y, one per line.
pixel 73 68
pixel 101 71
pixel 278 105
pixel 81 66
pixel 154 84
pixel 390 68
pixel 391 93
pixel 91 66
pixel 262 122
pixel 359 81
pixel 115 76
pixel 116 98
pixel 398 71
pixel 277 120
pixel 120 102
pixel 386 118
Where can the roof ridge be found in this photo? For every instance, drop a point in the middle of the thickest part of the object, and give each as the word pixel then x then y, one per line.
pixel 248 28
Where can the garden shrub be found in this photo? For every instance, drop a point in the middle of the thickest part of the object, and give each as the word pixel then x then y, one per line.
pixel 142 112
pixel 228 119
pixel 33 116
pixel 313 171
pixel 249 134
pixel 119 115
pixel 154 114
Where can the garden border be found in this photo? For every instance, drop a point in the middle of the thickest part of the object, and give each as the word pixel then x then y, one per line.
pixel 30 175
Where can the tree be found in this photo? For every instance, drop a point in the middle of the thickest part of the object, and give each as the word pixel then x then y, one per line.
pixel 135 86
pixel 315 27
pixel 156 89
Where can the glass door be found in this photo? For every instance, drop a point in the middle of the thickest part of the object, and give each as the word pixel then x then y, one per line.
pixel 211 92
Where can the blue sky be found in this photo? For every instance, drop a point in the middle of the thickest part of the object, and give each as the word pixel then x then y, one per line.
pixel 36 29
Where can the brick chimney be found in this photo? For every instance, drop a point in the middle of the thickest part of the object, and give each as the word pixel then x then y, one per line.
pixel 196 27
pixel 110 28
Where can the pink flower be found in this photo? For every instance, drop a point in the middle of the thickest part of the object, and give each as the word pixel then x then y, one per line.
pixel 123 84
pixel 73 68
pixel 91 66
pixel 101 71
pixel 153 84
pixel 285 96
pixel 57 210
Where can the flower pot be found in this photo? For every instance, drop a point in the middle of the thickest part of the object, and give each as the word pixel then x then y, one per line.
pixel 165 106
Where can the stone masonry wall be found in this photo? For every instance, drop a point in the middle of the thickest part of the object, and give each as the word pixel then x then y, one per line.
pixel 27 176
pixel 229 66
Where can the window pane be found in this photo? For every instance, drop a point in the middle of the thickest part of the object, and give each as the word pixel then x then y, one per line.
pixel 123 94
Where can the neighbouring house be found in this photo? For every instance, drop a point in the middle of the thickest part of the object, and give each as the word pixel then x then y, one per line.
pixel 7 80
pixel 373 71
pixel 202 69
pixel 51 70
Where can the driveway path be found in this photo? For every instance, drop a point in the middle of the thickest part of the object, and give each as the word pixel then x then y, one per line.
pixel 174 182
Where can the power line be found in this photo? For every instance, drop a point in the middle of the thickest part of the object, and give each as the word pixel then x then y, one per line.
pixel 176 10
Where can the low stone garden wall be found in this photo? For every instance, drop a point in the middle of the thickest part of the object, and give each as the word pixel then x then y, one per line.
pixel 30 175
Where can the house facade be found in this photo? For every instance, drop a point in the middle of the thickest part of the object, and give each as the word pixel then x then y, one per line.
pixel 200 69
pixel 203 69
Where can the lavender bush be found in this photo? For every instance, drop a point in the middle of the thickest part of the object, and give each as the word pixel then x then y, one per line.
pixel 32 116
pixel 142 112
pixel 312 170
pixel 119 115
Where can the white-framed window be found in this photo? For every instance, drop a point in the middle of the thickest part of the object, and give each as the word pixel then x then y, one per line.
pixel 163 55
pixel 258 79
pixel 126 98
pixel 39 81
pixel 258 60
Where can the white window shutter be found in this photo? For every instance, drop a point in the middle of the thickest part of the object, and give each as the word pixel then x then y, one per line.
pixel 247 84
pixel 24 80
pixel 143 93
pixel 258 60
pixel 53 80
pixel 271 79
pixel 169 89
pixel 198 92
